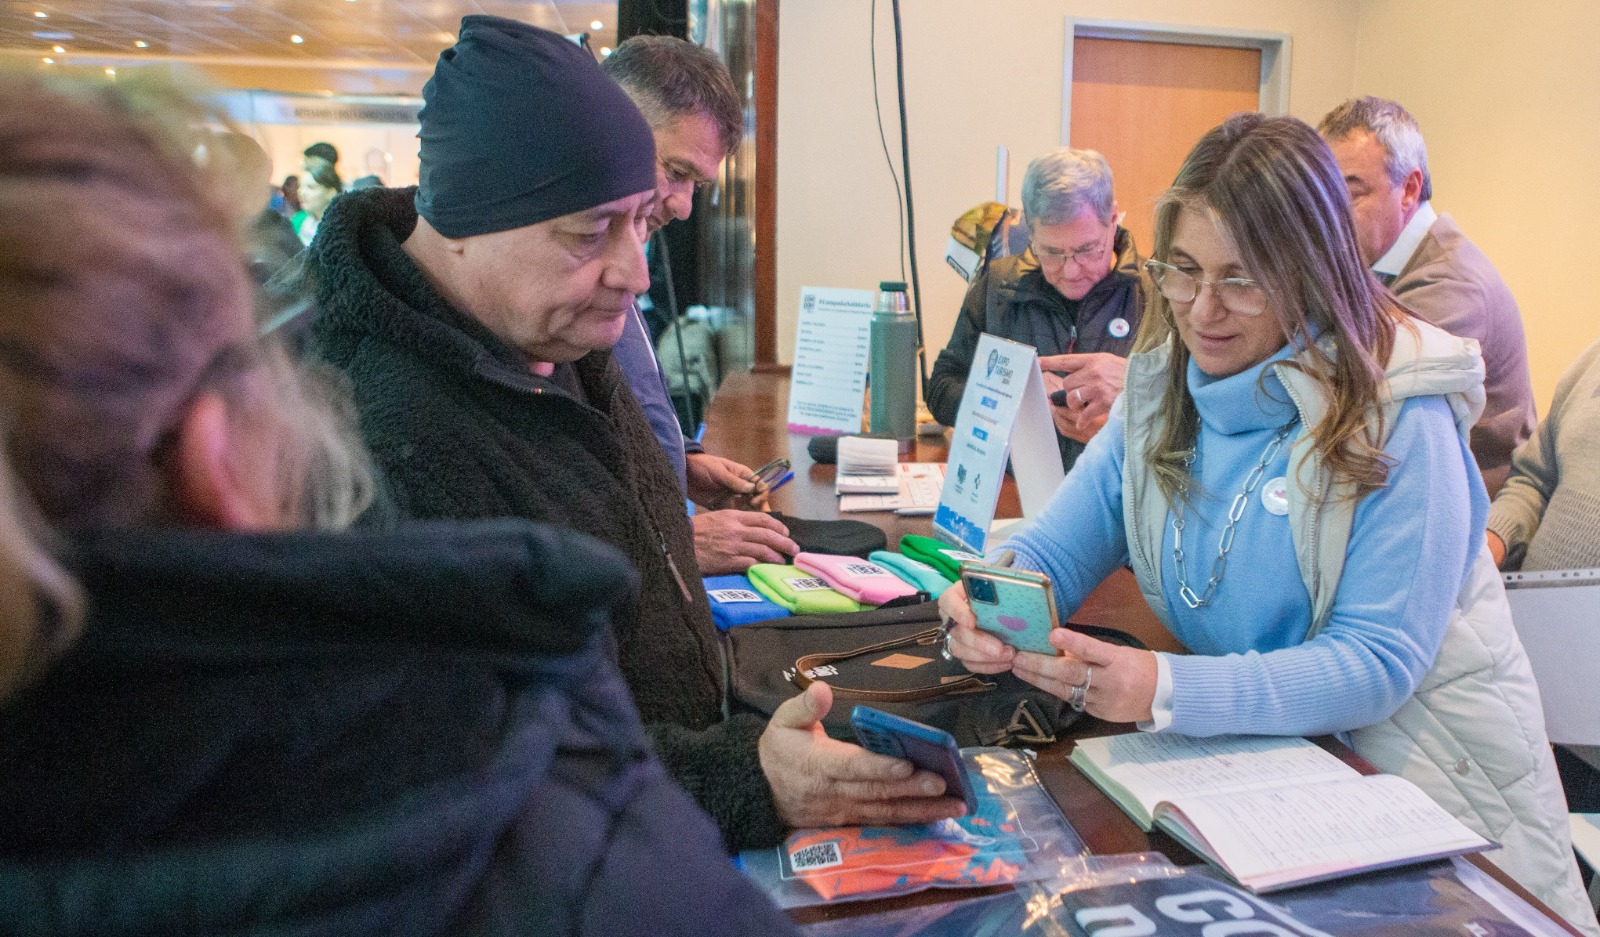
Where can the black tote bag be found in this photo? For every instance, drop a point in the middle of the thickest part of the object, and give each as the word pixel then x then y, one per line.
pixel 890 659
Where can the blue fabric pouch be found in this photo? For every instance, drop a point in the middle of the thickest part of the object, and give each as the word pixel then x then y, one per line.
pixel 734 601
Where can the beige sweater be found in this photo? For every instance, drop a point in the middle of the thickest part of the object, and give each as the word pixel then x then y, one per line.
pixel 1548 512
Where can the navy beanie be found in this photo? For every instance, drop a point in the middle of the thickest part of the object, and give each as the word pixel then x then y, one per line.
pixel 519 126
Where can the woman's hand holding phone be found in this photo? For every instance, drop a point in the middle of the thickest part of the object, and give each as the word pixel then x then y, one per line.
pixel 978 651
pixel 1123 686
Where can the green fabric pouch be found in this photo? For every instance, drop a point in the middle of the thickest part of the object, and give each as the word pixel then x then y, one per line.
pixel 938 554
pixel 799 591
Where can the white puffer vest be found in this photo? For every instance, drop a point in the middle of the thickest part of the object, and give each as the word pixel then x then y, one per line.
pixel 1472 735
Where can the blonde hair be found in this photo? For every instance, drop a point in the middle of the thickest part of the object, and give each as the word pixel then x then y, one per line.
pixel 125 296
pixel 1274 190
pixel 41 607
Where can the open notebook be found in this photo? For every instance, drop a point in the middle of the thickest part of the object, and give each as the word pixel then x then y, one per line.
pixel 1271 812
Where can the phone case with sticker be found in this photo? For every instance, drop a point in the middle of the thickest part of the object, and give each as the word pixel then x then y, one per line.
pixel 1017 606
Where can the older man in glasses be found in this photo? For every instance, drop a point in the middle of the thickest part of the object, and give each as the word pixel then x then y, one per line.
pixel 1076 296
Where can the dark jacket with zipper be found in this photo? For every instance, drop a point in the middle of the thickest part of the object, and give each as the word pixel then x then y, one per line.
pixel 462 429
pixel 417 732
pixel 1012 299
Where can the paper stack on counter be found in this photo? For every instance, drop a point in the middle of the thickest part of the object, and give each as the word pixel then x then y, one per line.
pixel 867 466
pixel 916 491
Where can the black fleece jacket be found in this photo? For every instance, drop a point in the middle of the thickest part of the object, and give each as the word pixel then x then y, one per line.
pixel 271 734
pixel 461 429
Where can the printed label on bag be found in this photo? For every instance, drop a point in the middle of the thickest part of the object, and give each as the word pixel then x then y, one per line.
pixel 734 595
pixel 811 584
pixel 817 673
pixel 962 556
pixel 866 569
pixel 816 856
pixel 902 661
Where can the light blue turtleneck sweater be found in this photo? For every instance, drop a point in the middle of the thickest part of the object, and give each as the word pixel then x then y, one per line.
pixel 1252 670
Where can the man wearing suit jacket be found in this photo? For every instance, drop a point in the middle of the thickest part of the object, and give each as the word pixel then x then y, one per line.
pixel 1431 266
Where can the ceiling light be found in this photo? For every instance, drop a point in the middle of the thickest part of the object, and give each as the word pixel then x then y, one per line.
pixel 49 61
pixel 605 51
pixel 41 14
pixel 140 44
pixel 597 25
pixel 111 73
pixel 297 39
pixel 59 50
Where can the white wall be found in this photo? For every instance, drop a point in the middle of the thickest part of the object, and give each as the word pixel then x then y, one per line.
pixel 1508 98
pixel 977 75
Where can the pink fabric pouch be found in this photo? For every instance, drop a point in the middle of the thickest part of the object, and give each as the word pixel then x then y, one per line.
pixel 860 579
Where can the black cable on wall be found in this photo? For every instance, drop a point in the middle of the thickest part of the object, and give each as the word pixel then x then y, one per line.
pixel 911 216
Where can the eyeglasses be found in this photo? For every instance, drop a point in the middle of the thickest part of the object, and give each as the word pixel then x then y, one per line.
pixel 1083 256
pixel 1236 294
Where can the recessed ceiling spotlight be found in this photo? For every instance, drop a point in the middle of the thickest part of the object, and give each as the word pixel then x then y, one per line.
pixel 49 61
pixel 40 14
pixel 140 44
pixel 597 25
pixel 59 50
pixel 111 72
pixel 605 51
pixel 297 39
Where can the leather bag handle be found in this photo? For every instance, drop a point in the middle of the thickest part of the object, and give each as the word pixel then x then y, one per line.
pixel 971 683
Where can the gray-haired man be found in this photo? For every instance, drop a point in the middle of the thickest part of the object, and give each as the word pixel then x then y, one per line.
pixel 1076 296
pixel 687 97
pixel 1431 266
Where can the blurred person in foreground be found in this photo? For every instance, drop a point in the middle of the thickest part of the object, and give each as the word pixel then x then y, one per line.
pixel 251 724
pixel 474 317
pixel 687 97
pixel 1289 477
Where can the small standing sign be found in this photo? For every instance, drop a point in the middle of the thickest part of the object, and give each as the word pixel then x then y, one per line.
pixel 1004 412
pixel 829 379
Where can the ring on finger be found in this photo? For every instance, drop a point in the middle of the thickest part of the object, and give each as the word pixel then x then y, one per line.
pixel 1079 692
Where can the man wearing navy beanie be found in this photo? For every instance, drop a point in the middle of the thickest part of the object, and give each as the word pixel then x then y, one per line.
pixel 474 317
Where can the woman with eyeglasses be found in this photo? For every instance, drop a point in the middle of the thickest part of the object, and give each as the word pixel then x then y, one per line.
pixel 1076 296
pixel 1289 478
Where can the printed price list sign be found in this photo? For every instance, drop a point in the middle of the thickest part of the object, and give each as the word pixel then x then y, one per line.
pixel 829 378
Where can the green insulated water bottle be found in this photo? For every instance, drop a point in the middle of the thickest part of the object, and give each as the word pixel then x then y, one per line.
pixel 893 366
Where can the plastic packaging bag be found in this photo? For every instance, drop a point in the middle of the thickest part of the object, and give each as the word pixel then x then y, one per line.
pixel 1144 894
pixel 1017 835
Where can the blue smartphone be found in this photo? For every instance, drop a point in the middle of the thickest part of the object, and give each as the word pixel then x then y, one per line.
pixel 924 746
pixel 1015 605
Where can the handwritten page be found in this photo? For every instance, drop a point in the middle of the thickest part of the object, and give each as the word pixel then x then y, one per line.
pixel 1155 766
pixel 1296 834
pixel 829 378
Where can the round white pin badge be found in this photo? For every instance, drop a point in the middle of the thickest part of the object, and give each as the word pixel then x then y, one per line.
pixel 1118 327
pixel 1275 495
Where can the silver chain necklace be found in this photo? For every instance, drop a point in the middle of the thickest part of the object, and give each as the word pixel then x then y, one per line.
pixel 1225 541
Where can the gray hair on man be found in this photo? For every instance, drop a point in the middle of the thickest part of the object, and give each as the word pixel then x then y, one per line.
pixel 1062 183
pixel 668 78
pixel 1392 126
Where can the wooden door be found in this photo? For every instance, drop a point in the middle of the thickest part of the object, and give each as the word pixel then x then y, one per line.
pixel 1145 104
